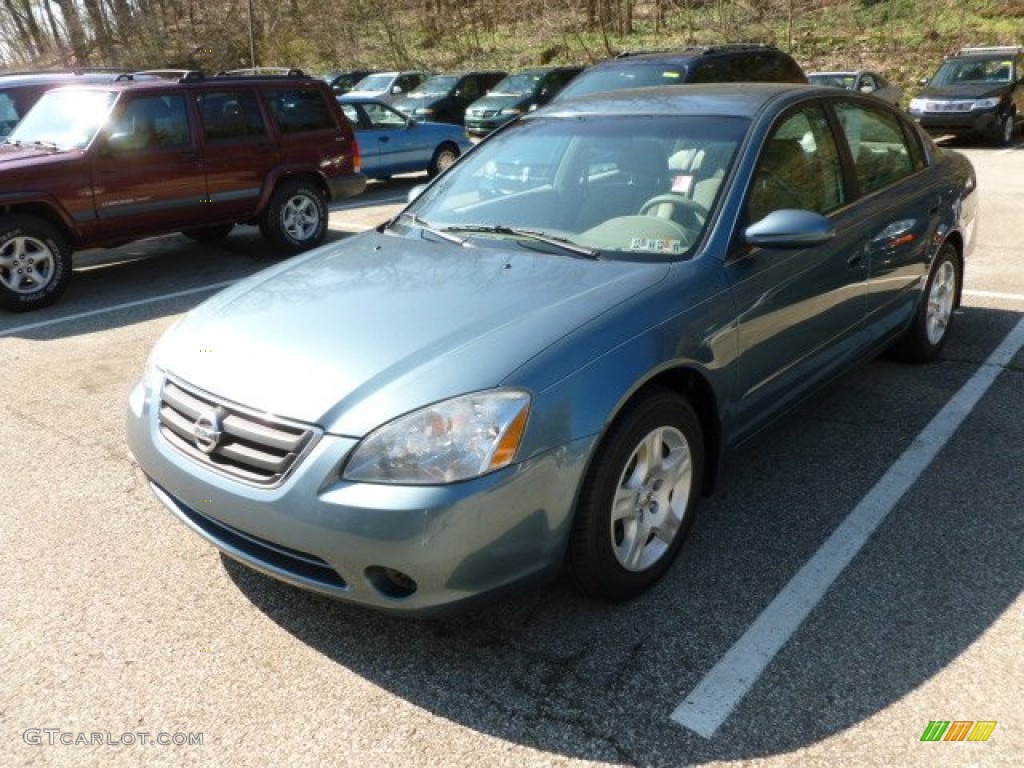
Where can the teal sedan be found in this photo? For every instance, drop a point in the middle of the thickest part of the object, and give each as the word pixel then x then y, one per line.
pixel 542 363
pixel 391 143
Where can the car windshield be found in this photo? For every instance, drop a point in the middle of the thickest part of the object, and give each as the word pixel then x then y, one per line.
pixel 374 83
pixel 622 187
pixel 632 75
pixel 436 86
pixel 66 118
pixel 518 84
pixel 958 71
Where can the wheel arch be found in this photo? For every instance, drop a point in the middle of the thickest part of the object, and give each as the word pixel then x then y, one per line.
pixel 691 384
pixel 45 212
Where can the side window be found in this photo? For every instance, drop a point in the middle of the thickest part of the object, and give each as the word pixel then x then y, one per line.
pixel 878 145
pixel 151 122
pixel 355 116
pixel 299 110
pixel 380 116
pixel 231 115
pixel 799 168
pixel 470 88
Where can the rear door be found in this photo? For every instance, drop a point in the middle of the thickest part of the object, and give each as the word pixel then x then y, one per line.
pixel 900 203
pixel 148 176
pixel 238 149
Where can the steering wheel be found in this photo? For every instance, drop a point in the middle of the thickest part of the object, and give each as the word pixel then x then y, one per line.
pixel 685 211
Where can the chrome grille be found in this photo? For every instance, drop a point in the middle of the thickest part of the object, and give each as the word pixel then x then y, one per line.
pixel 248 446
pixel 948 106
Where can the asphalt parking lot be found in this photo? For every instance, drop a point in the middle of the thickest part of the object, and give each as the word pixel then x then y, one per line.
pixel 126 640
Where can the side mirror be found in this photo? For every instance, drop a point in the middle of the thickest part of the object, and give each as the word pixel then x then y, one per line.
pixel 396 89
pixel 789 228
pixel 533 107
pixel 415 192
pixel 923 81
pixel 866 89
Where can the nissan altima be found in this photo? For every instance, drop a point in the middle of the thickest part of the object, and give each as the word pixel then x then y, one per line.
pixel 539 364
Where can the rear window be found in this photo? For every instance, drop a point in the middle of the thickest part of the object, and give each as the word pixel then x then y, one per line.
pixel 299 110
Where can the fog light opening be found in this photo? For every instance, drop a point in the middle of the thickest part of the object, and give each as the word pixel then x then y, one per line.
pixel 391 582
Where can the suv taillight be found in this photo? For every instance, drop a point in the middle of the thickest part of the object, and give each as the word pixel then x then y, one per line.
pixel 357 160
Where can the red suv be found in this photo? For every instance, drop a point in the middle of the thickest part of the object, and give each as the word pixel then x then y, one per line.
pixel 103 165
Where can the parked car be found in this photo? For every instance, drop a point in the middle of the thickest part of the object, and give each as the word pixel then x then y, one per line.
pixel 18 92
pixel 862 81
pixel 977 92
pixel 496 384
pixel 343 82
pixel 392 143
pixel 518 93
pixel 106 164
pixel 739 62
pixel 444 98
pixel 387 86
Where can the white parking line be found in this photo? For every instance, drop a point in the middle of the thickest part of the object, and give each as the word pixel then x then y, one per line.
pixel 114 308
pixel 996 295
pixel 718 694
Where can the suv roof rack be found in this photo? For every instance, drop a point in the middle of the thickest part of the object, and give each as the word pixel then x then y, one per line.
pixel 696 50
pixel 981 50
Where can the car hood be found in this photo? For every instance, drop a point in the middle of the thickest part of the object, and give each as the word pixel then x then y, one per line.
pixel 357 333
pixel 963 91
pixel 11 154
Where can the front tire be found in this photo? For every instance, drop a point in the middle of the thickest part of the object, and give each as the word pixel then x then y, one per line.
pixel 930 329
pixel 638 499
pixel 296 217
pixel 35 263
pixel 1004 135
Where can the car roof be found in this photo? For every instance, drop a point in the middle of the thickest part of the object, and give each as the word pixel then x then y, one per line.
pixel 708 99
pixel 686 54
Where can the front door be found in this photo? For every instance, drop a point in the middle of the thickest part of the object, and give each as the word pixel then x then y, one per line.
pixel 798 309
pixel 148 176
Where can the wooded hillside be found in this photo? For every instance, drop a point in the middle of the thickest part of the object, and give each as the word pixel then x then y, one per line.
pixel 902 38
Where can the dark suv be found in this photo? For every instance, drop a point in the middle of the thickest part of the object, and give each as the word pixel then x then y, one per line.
pixel 444 98
pixel 103 165
pixel 735 62
pixel 979 92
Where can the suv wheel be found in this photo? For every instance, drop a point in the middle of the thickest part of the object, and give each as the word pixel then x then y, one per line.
pixel 1004 132
pixel 296 218
pixel 35 263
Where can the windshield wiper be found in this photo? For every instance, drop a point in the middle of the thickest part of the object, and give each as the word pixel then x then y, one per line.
pixel 441 233
pixel 529 234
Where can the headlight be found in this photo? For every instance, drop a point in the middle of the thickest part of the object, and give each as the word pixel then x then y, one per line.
pixel 453 440
pixel 513 111
pixel 916 105
pixel 990 103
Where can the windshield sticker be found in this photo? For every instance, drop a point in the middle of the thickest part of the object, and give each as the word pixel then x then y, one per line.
pixel 682 183
pixel 656 245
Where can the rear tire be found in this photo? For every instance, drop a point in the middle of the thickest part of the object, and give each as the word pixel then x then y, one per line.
pixel 296 218
pixel 638 499
pixel 35 263
pixel 444 156
pixel 928 333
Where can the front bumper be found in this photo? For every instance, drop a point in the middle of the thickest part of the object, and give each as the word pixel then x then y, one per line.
pixel 483 126
pixel 976 123
pixel 451 546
